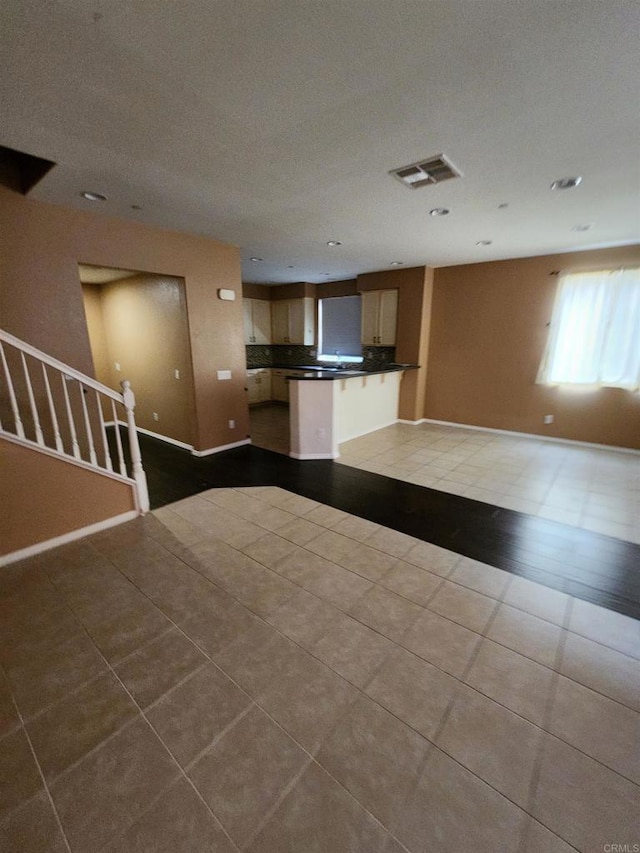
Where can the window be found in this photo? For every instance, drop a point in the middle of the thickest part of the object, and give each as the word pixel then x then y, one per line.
pixel 595 331
pixel 339 321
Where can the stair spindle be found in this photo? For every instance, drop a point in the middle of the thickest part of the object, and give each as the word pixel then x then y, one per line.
pixel 103 432
pixel 123 467
pixel 32 402
pixel 87 425
pixel 12 397
pixel 72 426
pixel 52 411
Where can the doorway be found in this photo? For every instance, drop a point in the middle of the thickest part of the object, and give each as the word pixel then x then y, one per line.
pixel 138 330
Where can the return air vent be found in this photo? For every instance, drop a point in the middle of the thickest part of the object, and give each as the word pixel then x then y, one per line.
pixel 432 171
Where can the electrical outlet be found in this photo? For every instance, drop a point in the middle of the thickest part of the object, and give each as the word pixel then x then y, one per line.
pixel 156 416
pixel 548 419
pixel 232 424
pixel 176 373
pixel 117 365
pixel 321 433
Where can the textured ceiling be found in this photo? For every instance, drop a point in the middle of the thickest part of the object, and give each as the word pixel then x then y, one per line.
pixel 273 124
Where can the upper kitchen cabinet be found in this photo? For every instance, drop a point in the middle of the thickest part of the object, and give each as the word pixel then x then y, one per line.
pixel 257 321
pixel 379 317
pixel 292 321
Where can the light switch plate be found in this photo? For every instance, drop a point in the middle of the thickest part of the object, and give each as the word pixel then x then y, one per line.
pixel 223 374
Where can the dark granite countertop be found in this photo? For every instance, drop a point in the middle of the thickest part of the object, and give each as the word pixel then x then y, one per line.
pixel 323 373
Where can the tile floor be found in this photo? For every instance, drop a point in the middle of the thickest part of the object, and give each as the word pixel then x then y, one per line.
pixel 247 669
pixel 585 487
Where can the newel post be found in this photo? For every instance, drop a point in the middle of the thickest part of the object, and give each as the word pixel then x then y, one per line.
pixel 129 400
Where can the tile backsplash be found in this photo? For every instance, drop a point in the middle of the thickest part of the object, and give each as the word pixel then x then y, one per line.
pixel 290 355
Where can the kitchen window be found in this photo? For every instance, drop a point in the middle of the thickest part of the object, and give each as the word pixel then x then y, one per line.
pixel 339 325
pixel 594 337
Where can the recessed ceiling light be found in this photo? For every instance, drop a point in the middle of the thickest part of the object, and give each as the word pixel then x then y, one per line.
pixel 256 259
pixel 334 243
pixel 503 205
pixel 484 242
pixel 566 183
pixel 396 263
pixel 439 211
pixel 91 196
pixel 585 227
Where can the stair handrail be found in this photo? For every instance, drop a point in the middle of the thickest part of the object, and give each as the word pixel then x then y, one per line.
pixel 59 365
pixel 126 399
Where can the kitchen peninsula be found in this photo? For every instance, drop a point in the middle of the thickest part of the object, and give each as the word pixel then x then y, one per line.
pixel 328 407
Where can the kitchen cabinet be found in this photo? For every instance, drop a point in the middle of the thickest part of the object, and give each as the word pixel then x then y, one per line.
pixel 257 321
pixel 280 383
pixel 293 321
pixel 379 317
pixel 279 386
pixel 259 385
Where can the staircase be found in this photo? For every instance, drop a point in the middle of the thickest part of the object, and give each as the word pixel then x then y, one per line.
pixel 53 409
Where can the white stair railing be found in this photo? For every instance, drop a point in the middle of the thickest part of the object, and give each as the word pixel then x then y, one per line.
pixel 50 404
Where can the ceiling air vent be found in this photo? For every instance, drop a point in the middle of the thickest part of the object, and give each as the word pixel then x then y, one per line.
pixel 432 171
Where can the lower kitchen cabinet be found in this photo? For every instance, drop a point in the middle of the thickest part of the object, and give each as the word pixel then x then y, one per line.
pixel 265 384
pixel 280 383
pixel 280 386
pixel 259 385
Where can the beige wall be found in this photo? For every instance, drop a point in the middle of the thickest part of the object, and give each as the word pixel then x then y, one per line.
pixel 60 498
pixel 488 332
pixel 92 296
pixel 337 288
pixel 41 296
pixel 296 290
pixel 141 324
pixel 256 291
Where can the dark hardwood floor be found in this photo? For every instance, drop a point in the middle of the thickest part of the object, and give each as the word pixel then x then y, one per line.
pixel 587 565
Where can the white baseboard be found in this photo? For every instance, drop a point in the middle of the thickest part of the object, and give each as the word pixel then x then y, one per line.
pixel 39 547
pixel 516 434
pixel 305 457
pixel 221 448
pixel 166 438
pixel 152 434
pixel 366 432
pixel 411 423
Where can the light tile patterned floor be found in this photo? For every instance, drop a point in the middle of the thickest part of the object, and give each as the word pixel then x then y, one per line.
pixel 597 489
pixel 249 670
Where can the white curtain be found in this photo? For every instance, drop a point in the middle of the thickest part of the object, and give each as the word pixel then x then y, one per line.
pixel 595 331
